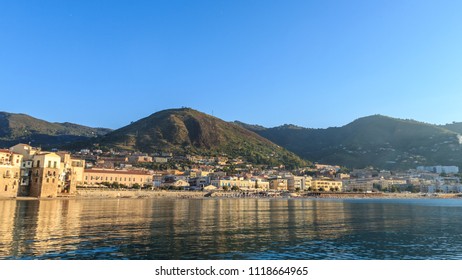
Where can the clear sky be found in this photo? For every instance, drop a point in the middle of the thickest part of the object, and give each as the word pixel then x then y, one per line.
pixel 311 63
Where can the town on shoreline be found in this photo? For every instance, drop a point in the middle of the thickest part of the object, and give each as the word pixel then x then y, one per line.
pixel 29 172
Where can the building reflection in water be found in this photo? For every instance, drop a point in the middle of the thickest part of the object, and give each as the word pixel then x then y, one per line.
pixel 230 226
pixel 164 228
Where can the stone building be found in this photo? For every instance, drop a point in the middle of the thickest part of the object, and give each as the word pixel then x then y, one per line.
pixel 71 173
pixel 10 168
pixel 45 179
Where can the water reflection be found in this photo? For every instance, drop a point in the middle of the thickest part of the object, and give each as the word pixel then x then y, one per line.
pixel 229 229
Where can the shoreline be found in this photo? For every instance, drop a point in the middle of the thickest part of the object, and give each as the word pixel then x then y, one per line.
pixel 139 194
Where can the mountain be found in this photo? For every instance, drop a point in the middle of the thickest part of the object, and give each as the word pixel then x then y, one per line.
pixel 189 131
pixel 21 128
pixel 377 140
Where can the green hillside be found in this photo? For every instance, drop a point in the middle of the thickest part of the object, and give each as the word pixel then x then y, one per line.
pixel 21 128
pixel 188 131
pixel 377 140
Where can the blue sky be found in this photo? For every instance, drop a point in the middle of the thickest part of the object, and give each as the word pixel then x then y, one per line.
pixel 311 63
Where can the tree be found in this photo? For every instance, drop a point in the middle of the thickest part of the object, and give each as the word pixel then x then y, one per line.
pixel 235 188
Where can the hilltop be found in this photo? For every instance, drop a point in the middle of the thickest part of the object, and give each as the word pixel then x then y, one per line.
pixel 187 131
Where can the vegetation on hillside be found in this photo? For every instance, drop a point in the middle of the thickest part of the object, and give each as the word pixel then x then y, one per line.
pixel 16 128
pixel 376 140
pixel 187 131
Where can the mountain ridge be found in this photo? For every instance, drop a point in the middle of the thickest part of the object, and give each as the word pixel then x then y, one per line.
pixel 15 128
pixel 189 131
pixel 375 140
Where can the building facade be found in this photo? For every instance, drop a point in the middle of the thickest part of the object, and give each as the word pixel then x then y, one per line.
pixel 326 185
pixel 45 175
pixel 10 169
pixel 93 177
pixel 241 184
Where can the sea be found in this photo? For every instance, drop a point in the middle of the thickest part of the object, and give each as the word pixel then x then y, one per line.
pixel 231 229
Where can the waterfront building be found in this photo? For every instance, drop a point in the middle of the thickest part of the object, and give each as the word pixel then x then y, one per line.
pixel 358 185
pixel 28 152
pixel 25 180
pixel 45 175
pixel 295 183
pixel 93 177
pixel 326 184
pixel 71 173
pixel 10 168
pixel 251 184
pixel 199 182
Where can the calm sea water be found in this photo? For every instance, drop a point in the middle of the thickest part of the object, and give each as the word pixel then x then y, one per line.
pixel 157 229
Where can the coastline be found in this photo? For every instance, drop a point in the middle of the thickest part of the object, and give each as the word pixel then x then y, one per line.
pixel 139 194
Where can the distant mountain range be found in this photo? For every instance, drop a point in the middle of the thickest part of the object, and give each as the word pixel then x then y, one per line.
pixel 21 128
pixel 378 141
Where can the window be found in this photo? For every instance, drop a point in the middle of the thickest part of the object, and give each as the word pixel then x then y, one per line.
pixel 38 163
pixel 55 164
pixel 49 164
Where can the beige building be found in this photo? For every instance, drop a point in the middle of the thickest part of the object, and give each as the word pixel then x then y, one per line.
pixel 71 174
pixel 93 177
pixel 325 184
pixel 10 168
pixel 45 177
pixel 45 174
pixel 28 153
pixel 241 184
pixel 301 183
